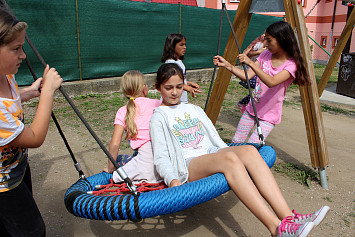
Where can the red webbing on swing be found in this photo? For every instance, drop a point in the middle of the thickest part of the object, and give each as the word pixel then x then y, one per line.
pixel 113 189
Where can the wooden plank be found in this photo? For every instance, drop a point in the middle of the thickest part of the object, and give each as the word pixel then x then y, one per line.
pixel 289 13
pixel 306 91
pixel 343 39
pixel 240 26
pixel 310 131
pixel 290 16
pixel 310 98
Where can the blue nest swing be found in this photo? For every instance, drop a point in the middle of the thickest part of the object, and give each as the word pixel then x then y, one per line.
pixel 148 204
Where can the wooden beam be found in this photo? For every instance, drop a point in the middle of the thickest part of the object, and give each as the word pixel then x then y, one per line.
pixel 309 94
pixel 240 26
pixel 290 16
pixel 343 39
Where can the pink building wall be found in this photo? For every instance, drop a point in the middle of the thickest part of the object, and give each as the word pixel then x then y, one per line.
pixel 318 23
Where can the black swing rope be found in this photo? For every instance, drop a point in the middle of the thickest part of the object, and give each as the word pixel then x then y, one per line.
pixel 119 170
pixel 76 163
pixel 224 8
pixel 215 66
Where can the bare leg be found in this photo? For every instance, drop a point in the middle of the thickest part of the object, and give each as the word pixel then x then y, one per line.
pixel 263 179
pixel 228 163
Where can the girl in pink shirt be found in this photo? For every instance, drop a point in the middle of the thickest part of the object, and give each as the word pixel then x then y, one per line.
pixel 276 68
pixel 134 119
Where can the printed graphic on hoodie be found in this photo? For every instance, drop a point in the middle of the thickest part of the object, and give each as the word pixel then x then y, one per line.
pixel 189 131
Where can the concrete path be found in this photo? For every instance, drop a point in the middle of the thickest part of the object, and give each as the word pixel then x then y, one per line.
pixel 330 95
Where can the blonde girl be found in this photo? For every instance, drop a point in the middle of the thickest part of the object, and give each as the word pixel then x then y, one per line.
pixel 133 119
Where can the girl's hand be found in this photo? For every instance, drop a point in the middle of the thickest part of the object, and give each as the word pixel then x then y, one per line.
pixel 32 91
pixel 193 84
pixel 192 90
pixel 36 86
pixel 247 50
pixel 108 170
pixel 243 58
pixel 51 79
pixel 175 182
pixel 221 62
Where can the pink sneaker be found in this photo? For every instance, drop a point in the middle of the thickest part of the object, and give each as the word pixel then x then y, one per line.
pixel 316 217
pixel 288 228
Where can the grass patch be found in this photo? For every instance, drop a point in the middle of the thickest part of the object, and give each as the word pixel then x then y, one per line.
pixel 32 103
pixel 346 222
pixel 302 175
pixel 328 108
pixel 329 199
pixel 319 69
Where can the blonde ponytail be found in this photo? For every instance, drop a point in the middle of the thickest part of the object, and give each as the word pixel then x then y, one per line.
pixel 132 84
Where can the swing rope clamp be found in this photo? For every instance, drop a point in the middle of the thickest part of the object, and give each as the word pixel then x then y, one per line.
pixel 261 136
pixel 128 181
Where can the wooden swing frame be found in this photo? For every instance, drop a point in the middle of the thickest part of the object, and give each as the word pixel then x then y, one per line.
pixel 309 94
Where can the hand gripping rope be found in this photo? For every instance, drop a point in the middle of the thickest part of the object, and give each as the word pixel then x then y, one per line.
pixel 119 170
pixel 261 136
pixel 76 164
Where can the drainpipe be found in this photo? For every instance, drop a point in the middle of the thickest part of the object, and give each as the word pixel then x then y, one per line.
pixel 331 30
pixel 347 46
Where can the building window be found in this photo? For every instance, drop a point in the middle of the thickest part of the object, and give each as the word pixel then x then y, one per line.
pixel 323 41
pixel 335 41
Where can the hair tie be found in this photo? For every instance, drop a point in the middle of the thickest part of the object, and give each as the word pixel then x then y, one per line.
pixel 131 98
pixel 15 22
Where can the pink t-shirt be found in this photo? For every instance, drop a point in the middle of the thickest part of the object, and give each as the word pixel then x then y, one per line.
pixel 268 101
pixel 144 111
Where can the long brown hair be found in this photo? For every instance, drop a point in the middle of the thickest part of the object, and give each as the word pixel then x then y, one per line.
pixel 285 36
pixel 132 84
pixel 169 47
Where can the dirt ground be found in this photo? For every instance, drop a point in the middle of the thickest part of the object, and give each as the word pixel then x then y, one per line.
pixel 53 173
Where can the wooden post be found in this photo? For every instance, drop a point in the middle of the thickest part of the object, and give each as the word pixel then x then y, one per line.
pixel 309 95
pixel 240 26
pixel 345 34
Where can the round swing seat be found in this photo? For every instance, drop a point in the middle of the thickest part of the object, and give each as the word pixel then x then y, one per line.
pixel 147 204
